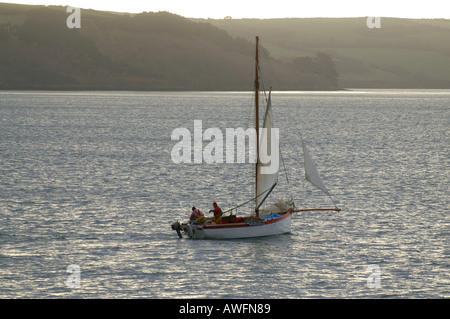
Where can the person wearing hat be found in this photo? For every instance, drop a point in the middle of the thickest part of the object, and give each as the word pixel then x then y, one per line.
pixel 217 213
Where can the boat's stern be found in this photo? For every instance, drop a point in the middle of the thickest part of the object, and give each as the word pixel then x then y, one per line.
pixel 191 230
pixel 177 227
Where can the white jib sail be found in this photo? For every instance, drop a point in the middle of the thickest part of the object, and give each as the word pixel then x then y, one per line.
pixel 269 157
pixel 311 173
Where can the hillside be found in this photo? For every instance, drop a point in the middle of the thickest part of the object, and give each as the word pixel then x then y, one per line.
pixel 403 53
pixel 147 51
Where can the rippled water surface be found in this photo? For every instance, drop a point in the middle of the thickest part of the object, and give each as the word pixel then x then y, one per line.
pixel 87 179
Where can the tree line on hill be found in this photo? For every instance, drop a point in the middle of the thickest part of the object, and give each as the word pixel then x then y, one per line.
pixel 147 51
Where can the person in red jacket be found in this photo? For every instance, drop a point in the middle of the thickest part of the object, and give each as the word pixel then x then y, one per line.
pixel 217 213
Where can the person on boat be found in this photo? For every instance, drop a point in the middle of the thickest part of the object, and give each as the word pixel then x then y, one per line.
pixel 217 213
pixel 197 216
pixel 196 213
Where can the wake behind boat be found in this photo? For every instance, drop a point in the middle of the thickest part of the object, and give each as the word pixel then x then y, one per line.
pixel 273 220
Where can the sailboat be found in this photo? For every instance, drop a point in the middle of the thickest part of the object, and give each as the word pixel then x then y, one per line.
pixel 277 218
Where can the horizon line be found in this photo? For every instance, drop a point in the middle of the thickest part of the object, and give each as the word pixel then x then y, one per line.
pixel 230 17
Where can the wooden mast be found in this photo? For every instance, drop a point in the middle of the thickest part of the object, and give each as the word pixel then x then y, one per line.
pixel 256 122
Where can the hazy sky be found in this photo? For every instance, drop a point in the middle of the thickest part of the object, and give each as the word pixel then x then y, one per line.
pixel 270 9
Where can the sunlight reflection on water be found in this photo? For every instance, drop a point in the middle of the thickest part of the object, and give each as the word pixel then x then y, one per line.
pixel 87 179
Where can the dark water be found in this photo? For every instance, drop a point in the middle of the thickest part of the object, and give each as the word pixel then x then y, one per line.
pixel 87 179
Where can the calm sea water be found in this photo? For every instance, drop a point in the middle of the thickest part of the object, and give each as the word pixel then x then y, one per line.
pixel 86 179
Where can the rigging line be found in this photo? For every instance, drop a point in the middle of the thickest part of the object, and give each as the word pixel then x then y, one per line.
pixel 286 176
pixel 271 69
pixel 333 201
pixel 282 160
pixel 263 86
pixel 261 79
pixel 279 88
pixel 251 199
pixel 249 112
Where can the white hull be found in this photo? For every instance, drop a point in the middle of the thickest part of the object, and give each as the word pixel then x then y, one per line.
pixel 277 226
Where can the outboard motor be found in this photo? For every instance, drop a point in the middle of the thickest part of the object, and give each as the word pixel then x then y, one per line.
pixel 177 227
